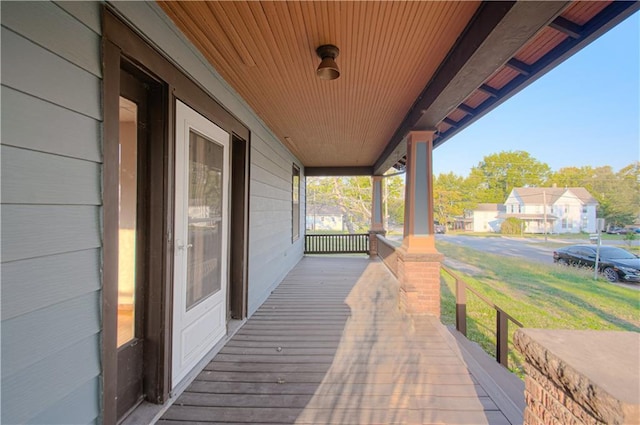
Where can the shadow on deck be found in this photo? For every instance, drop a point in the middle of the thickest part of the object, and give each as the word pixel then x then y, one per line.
pixel 331 346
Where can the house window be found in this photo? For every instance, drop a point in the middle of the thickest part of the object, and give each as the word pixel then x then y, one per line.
pixel 295 203
pixel 584 210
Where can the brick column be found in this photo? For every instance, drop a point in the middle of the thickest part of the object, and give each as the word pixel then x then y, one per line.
pixel 418 260
pixel 377 208
pixel 419 277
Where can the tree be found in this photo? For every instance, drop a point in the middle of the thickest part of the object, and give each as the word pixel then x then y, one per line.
pixel 618 194
pixel 497 174
pixel 450 197
pixel 351 194
pixel 394 188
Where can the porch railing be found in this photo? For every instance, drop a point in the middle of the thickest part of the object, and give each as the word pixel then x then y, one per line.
pixel 502 318
pixel 356 243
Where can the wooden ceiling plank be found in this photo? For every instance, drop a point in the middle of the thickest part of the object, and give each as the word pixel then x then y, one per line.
pixel 229 28
pixel 277 99
pixel 579 12
pixel 500 79
pixel 306 67
pixel 197 36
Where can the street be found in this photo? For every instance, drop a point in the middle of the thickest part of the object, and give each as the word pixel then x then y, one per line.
pixel 529 249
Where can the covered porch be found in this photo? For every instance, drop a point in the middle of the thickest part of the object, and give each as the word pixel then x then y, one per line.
pixel 332 345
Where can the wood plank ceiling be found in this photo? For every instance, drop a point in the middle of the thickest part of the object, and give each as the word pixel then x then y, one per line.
pixel 266 50
pixel 404 65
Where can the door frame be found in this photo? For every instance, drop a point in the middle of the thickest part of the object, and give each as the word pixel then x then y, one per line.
pixel 122 47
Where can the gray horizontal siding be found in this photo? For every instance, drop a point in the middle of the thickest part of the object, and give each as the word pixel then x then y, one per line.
pixel 48 179
pixel 30 231
pixel 259 159
pixel 38 335
pixel 271 250
pixel 51 195
pixel 29 68
pixel 62 34
pixel 36 283
pixel 27 394
pixel 271 179
pixel 86 12
pixel 79 407
pixel 28 122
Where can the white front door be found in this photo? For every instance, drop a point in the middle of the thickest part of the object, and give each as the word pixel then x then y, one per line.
pixel 201 239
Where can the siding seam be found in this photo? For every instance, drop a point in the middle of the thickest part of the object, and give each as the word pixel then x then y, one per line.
pixel 50 51
pixel 51 103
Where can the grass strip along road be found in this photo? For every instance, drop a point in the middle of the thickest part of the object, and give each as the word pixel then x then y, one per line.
pixel 538 295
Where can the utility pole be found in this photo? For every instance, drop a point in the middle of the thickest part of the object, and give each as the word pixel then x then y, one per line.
pixel 544 212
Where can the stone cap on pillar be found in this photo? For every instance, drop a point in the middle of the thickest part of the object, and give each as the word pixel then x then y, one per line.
pixel 600 370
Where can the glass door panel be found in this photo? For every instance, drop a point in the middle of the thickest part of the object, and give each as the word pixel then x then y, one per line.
pixel 204 219
pixel 127 201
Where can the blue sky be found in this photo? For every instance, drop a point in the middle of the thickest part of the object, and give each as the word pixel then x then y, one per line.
pixel 584 112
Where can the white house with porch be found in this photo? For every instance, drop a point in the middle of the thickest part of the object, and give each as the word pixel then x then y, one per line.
pixel 565 210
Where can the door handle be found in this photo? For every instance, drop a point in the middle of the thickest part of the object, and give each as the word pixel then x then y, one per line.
pixel 187 246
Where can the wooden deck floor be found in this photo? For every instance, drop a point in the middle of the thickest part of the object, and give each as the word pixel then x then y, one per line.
pixel 330 346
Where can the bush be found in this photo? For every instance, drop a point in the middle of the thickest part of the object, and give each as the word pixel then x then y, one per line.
pixel 511 226
pixel 629 238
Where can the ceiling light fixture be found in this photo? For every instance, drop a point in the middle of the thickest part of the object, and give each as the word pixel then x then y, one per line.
pixel 328 69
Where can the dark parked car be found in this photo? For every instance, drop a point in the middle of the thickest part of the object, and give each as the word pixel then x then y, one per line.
pixel 615 230
pixel 615 263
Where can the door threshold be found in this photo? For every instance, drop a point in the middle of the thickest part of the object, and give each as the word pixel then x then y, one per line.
pixel 150 413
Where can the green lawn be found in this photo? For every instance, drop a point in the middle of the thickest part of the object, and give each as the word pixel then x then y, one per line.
pixel 539 296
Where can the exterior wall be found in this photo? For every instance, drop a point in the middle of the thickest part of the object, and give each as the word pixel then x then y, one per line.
pixel 486 221
pixel 51 201
pixel 272 253
pixel 574 217
pixel 51 196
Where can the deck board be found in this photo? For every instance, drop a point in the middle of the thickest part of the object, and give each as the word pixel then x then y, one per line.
pixel 330 346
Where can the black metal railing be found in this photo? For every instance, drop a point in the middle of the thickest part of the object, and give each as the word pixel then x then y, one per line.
pixel 356 243
pixel 502 318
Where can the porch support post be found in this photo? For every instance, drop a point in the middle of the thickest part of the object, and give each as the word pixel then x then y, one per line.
pixel 377 208
pixel 418 260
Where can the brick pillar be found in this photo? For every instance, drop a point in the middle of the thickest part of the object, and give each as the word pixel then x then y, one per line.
pixel 418 260
pixel 419 277
pixel 377 208
pixel 580 377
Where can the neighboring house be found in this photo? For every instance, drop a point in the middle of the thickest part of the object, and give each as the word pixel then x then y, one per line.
pixel 464 222
pixel 324 217
pixel 568 210
pixel 485 217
